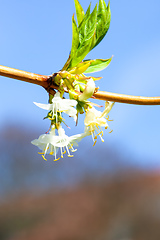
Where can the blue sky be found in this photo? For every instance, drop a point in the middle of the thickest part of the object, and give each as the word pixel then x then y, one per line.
pixel 36 37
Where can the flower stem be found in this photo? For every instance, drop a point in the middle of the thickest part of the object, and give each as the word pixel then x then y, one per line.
pixel 43 80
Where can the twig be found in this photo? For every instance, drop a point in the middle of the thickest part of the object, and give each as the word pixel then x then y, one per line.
pixel 24 76
pixel 44 81
pixel 123 98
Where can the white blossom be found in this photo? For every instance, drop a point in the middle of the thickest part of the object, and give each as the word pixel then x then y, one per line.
pixel 44 142
pixel 60 105
pixel 95 120
pixel 50 143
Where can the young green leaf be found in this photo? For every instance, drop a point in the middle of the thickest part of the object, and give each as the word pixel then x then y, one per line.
pixel 80 68
pixel 88 26
pixel 92 27
pixel 86 31
pixel 97 65
pixel 80 55
pixel 103 22
pixel 79 11
pixel 86 16
pixel 75 38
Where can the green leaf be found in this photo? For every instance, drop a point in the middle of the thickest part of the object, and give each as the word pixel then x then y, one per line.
pixel 88 26
pixel 92 27
pixel 97 65
pixel 86 16
pixel 75 38
pixel 80 68
pixel 79 11
pixel 80 55
pixel 86 31
pixel 103 22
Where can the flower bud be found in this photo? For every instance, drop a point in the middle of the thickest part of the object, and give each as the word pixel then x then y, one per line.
pixel 88 91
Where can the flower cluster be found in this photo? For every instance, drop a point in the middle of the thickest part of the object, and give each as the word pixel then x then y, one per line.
pixel 55 139
pixel 87 33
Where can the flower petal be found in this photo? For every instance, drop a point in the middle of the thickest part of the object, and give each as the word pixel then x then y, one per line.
pixel 44 106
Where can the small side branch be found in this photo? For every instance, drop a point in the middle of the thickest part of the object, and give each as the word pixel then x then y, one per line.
pixel 44 81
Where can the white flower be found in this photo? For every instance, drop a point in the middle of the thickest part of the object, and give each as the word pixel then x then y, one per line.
pixel 60 105
pixel 95 119
pixel 50 143
pixel 66 143
pixel 44 143
pixel 88 91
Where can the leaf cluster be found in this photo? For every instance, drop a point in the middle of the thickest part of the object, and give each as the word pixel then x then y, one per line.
pixel 87 34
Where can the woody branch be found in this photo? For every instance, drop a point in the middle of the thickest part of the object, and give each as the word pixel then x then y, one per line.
pixel 44 81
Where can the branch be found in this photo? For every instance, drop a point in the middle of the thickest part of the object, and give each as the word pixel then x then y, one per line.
pixel 24 76
pixel 123 98
pixel 43 80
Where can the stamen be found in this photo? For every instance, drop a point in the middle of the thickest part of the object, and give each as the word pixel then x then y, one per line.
pixel 71 146
pixel 56 111
pixel 61 152
pixel 92 132
pixel 45 151
pixel 61 118
pixel 67 150
pixel 101 138
pixel 94 143
pixel 51 153
pixel 72 149
pixel 55 151
pixel 61 115
pixel 100 133
pixel 40 153
pixel 53 111
pixel 97 130
pixel 92 137
pixel 44 158
pixel 108 119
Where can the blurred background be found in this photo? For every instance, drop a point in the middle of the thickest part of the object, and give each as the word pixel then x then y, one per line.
pixel 109 191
